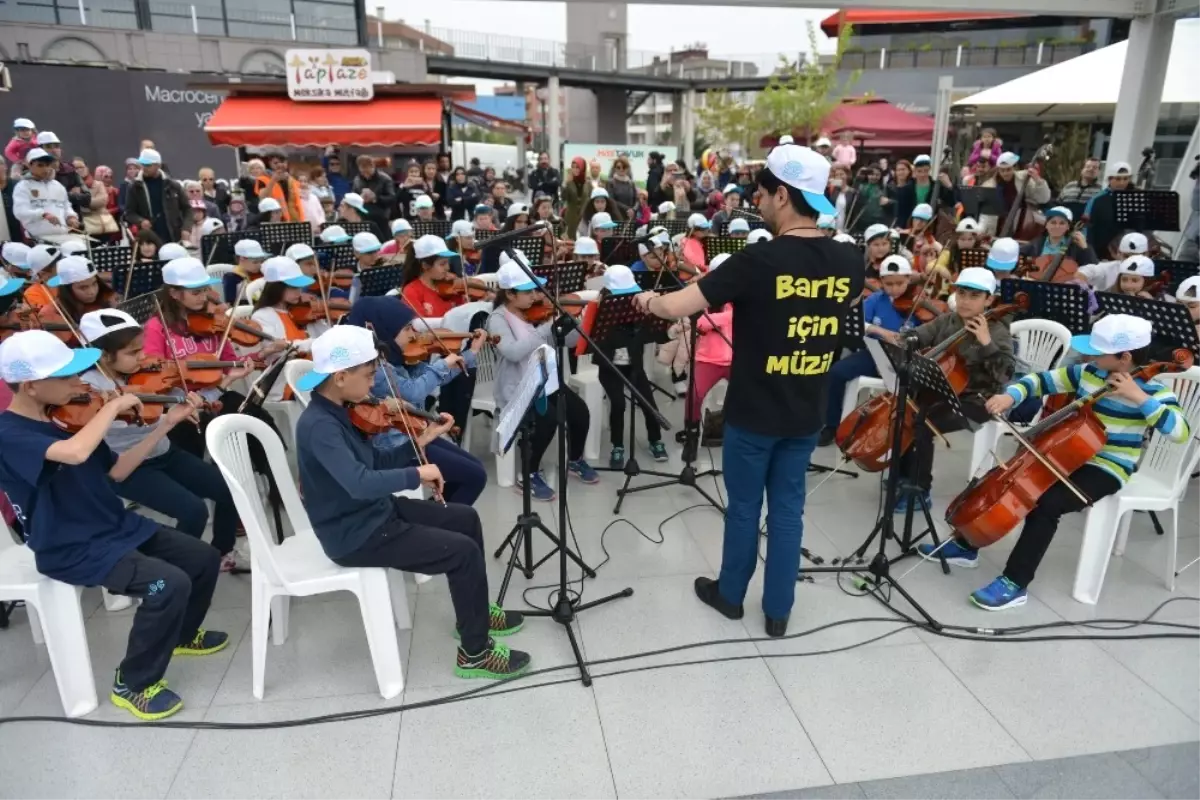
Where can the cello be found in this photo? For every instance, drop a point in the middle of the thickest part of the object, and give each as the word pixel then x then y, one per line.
pixel 1051 450
pixel 1057 268
pixel 865 435
pixel 1020 223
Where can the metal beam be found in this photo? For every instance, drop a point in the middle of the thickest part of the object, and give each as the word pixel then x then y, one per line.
pixel 632 108
pixel 575 78
pixel 1065 8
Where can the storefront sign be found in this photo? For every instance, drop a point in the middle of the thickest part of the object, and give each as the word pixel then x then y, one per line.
pixel 328 75
pixel 636 154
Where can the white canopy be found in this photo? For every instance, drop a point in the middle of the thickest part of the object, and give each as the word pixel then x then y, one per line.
pixel 1086 88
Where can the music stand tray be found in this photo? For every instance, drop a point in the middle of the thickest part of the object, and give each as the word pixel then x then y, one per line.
pixel 335 256
pixel 674 226
pixel 378 281
pixel 1065 303
pixel 716 245
pixel 141 308
pixel 569 276
pixel 277 237
pixel 351 227
pixel 483 236
pixel 1149 210
pixel 217 248
pixel 424 227
pixel 1170 322
pixel 532 247
pixel 112 258
pixel 146 277
pixel 618 250
pixel 973 257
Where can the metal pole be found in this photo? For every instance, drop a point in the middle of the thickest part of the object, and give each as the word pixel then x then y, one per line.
pixel 82 14
pixel 195 22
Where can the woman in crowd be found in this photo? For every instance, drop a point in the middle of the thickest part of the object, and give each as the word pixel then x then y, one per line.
pixel 461 195
pixel 622 190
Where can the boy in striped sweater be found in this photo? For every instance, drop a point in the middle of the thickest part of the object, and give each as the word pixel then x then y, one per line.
pixel 1118 345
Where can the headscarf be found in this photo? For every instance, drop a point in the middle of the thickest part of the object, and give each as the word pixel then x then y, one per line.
pixel 388 316
pixel 103 173
pixel 578 161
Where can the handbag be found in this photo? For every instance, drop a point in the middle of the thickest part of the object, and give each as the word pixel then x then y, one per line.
pixel 99 222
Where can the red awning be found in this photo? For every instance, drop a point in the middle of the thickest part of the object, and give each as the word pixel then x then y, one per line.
pixel 882 122
pixel 885 16
pixel 281 122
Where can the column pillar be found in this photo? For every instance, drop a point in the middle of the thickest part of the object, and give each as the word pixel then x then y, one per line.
pixel 1141 90
pixel 687 146
pixel 677 131
pixel 553 132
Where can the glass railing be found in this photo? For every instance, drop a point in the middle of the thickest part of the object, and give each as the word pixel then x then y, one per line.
pixel 1039 54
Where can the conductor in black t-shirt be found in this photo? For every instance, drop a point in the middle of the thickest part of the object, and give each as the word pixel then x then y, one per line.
pixel 789 298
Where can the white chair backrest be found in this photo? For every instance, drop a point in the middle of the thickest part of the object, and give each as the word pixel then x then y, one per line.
pixel 392 293
pixel 219 270
pixel 228 442
pixel 292 372
pixel 1041 343
pixel 242 311
pixel 1168 461
pixel 459 318
pixel 424 323
pixel 485 374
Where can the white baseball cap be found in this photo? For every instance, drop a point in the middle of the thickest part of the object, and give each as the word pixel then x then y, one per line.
pixel 401 225
pixel 187 273
pixel 976 278
pixel 1189 290
pixel 37 355
pixel 1060 211
pixel 365 242
pixel 516 210
pixel 803 169
pixel 211 225
pixel 759 235
pixel 618 279
pixel 602 220
pixel 717 261
pixel 824 221
pixel 72 247
pixel 1115 333
pixel 424 201
pixel 698 221
pixel 461 227
pixel 822 142
pixel 922 160
pixel 9 284
pixel 340 348
pixel 269 205
pixel 23 122
pixel 40 256
pixel 967 225
pixel 96 324
pixel 895 265
pixel 1008 159
pixel 148 157
pixel 428 246
pixel 173 250
pixel 505 258
pixel 660 239
pixel 787 138
pixel 1134 265
pixel 1117 168
pixel 15 253
pixel 281 269
pixel 47 137
pixel 666 207
pixel 738 225
pixel 599 191
pixel 1004 255
pixel 250 248
pixel 335 234
pixel 1135 243
pixel 923 211
pixel 71 269
pixel 586 246
pixel 875 231
pixel 844 238
pixel 510 276
pixel 37 154
pixel 732 187
pixel 354 200
pixel 299 252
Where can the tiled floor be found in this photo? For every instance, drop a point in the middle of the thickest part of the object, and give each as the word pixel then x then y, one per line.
pixel 993 719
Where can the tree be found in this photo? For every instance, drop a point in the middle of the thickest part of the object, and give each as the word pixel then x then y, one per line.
pixel 801 95
pixel 1072 146
pixel 727 119
pixel 474 133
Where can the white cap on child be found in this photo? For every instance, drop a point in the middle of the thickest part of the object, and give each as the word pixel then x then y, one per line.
pixel 1134 243
pixel 36 355
pixel 95 324
pixel 1134 265
pixel 895 265
pixel 340 348
pixel 1115 333
pixel 759 235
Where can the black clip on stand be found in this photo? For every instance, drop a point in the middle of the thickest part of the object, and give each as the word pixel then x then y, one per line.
pixel 910 368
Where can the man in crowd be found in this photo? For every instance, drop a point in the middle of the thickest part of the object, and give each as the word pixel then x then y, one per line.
pixel 1087 187
pixel 156 201
pixel 213 191
pixel 65 174
pixel 1101 211
pixel 334 174
pixel 378 193
pixel 277 182
pixel 132 170
pixel 545 179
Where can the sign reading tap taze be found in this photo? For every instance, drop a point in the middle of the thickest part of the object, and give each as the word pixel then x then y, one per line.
pixel 329 75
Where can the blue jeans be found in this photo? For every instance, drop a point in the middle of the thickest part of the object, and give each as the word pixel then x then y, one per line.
pixel 754 463
pixel 856 365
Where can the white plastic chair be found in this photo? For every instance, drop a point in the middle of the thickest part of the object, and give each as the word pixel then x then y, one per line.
pixel 484 399
pixel 299 567
pixel 587 382
pixel 219 271
pixel 459 318
pixel 55 619
pixel 1041 343
pixel 1158 485
pixel 855 387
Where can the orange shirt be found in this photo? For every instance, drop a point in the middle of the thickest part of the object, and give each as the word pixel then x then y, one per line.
pixel 427 301
pixel 38 295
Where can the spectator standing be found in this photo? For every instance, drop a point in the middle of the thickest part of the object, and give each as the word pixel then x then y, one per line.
pixel 378 192
pixel 461 195
pixel 214 192
pixel 545 179
pixel 157 202
pixel 621 189
pixel 1087 187
pixel 280 185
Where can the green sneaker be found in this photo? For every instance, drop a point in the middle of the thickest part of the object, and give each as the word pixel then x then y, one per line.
pixel 204 643
pixel 495 661
pixel 154 702
pixel 500 622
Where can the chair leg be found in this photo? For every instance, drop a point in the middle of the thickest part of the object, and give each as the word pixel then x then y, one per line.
pixel 1172 549
pixel 506 467
pixel 983 444
pixel 281 607
pixel 1099 533
pixel 594 397
pixel 399 592
pixel 380 626
pixel 260 626
pixel 1123 534
pixel 35 623
pixel 67 646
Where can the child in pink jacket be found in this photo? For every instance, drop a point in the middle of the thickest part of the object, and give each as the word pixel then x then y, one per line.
pixel 987 148
pixel 714 355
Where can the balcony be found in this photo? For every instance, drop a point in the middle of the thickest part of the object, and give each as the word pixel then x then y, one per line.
pixel 1041 54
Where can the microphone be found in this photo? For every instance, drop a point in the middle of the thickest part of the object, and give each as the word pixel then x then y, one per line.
pixel 505 238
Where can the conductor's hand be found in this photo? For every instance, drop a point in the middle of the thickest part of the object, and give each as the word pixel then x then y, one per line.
pixel 431 476
pixel 999 403
pixel 642 299
pixel 978 327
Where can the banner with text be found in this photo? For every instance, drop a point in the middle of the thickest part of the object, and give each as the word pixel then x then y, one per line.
pixel 637 155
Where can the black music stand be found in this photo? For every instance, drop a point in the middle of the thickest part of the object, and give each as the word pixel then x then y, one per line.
pixel 276 237
pixel 483 236
pixel 1065 303
pixel 674 227
pixel 217 248
pixel 335 256
pixel 1179 271
pixel 146 277
pixel 424 227
pixel 378 281
pixel 618 250
pixel 973 257
pixel 716 245
pixel 141 308
pixel 1170 322
pixel 919 373
pixel 111 258
pixel 753 219
pixel 563 278
pixel 1149 210
pixel 532 247
pixel 351 227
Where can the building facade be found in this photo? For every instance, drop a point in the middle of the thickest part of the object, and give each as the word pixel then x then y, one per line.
pixel 651 118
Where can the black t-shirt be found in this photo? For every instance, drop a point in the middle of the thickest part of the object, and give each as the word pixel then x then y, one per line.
pixel 790 297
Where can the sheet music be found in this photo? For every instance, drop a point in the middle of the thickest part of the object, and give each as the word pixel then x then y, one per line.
pixel 540 376
pixel 884 365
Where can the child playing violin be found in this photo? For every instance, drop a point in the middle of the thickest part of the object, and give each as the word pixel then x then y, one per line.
pixel 147 245
pixel 402 231
pixel 919 238
pixel 949 260
pixel 878 241
pixel 1102 276
pixel 692 247
pixel 80 289
pixel 281 290
pixel 38 272
pixel 61 487
pixel 987 350
pixel 1059 239
pixel 391 319
pixel 881 320
pixel 1134 274
pixel 349 499
pixel 587 250
pixel 624 347
pixel 518 340
pixel 366 247
pixel 1119 344
pixel 170 480
pixel 428 264
pixel 250 257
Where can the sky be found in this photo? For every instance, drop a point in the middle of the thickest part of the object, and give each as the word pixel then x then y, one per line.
pixel 727 30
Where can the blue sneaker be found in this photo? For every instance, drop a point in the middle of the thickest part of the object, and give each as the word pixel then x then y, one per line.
pixel 616 459
pixel 999 595
pixel 659 451
pixel 903 503
pixel 154 702
pixel 582 470
pixel 538 488
pixel 953 552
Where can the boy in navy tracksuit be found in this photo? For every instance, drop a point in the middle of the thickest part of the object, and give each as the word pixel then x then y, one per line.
pixel 78 528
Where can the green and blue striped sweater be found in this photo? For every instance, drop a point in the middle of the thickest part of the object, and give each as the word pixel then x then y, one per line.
pixel 1124 422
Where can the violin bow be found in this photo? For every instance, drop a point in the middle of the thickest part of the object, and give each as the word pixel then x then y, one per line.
pixel 174 354
pixel 237 301
pixel 133 253
pixel 321 289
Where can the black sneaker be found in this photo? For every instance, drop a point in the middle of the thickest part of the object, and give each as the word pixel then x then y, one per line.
pixel 710 594
pixel 495 661
pixel 500 622
pixel 827 437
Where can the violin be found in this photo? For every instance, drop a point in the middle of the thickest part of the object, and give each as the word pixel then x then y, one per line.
pixel 543 310
pixel 373 417
pixel 46 318
pixel 916 303
pixel 202 370
pixel 216 320
pixel 341 278
pixel 993 505
pixel 83 408
pixel 865 435
pixel 312 308
pixel 452 288
pixel 438 341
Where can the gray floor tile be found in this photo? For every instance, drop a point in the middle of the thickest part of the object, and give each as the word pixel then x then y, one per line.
pixel 837 791
pixel 1174 769
pixel 964 784
pixel 1100 776
pixel 1170 666
pixel 708 730
pixel 22 663
pixel 338 759
pixel 545 742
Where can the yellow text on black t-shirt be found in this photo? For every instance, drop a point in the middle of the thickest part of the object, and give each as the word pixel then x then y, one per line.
pixel 833 288
pixel 799 363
